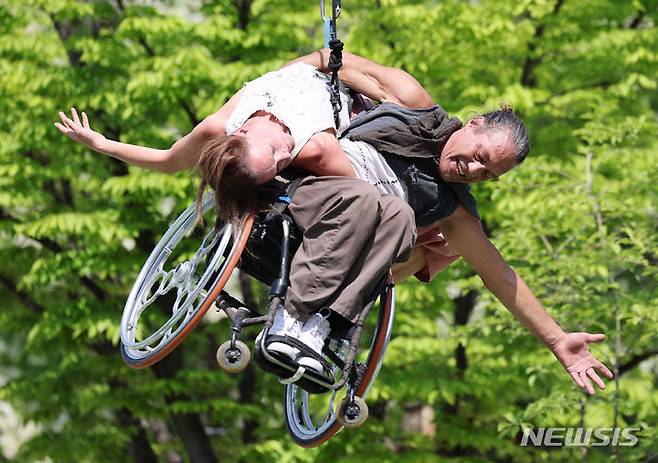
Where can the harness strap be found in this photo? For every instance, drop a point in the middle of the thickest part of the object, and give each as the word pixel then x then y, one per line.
pixel 292 186
pixel 282 202
pixel 336 56
pixel 335 63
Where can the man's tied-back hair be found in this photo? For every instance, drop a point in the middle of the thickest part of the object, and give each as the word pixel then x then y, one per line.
pixel 505 118
pixel 223 165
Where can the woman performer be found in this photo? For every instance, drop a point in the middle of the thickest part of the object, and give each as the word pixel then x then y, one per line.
pixel 281 119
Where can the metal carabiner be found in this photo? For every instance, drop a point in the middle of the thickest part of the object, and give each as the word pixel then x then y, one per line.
pixel 335 10
pixel 329 21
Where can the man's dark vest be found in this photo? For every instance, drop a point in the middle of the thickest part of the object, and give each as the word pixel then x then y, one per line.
pixel 411 140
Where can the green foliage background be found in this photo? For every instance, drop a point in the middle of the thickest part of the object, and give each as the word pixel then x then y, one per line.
pixel 578 220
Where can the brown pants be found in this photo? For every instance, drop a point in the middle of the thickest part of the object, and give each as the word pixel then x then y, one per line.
pixel 351 236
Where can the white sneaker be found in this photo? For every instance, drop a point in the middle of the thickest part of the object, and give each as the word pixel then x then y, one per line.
pixel 313 334
pixel 283 324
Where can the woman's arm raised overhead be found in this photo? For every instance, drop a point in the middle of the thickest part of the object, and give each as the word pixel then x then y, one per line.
pixel 381 83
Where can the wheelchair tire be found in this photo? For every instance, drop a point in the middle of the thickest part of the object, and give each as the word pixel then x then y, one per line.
pixel 299 421
pixel 221 257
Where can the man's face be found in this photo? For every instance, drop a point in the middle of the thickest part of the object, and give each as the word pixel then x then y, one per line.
pixel 473 155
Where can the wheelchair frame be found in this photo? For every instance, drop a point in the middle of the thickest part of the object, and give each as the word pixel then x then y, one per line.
pixel 195 296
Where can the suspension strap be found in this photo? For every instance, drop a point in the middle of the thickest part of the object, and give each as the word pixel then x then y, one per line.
pixel 336 56
pixel 335 62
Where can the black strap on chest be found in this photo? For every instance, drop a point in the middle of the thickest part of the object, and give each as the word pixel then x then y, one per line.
pixel 280 204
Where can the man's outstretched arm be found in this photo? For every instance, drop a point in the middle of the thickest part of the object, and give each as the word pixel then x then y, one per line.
pixel 377 82
pixel 465 235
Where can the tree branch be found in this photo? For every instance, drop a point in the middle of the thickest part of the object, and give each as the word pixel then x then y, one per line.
pixel 464 306
pixel 50 187
pixel 23 297
pixel 149 51
pixel 636 360
pixel 243 8
pixel 39 156
pixel 384 28
pixel 637 21
pixel 64 31
pixel 67 192
pixel 247 385
pixel 87 282
pixel 188 426
pixel 98 292
pixel 191 114
pixel 5 215
pixel 49 244
pixel 140 447
pixel 528 78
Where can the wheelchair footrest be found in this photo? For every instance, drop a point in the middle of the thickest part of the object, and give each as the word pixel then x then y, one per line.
pixel 303 349
pixel 305 382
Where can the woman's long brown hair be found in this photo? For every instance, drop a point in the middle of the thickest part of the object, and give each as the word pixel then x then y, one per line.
pixel 223 164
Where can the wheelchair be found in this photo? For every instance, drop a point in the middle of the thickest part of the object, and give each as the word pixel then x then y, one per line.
pixel 181 280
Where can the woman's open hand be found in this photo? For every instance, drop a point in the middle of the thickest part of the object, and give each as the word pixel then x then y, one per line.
pixel 79 131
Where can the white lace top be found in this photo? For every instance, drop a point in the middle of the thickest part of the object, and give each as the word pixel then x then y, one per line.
pixel 298 96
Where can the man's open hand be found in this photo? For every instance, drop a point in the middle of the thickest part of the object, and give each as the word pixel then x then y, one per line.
pixel 572 353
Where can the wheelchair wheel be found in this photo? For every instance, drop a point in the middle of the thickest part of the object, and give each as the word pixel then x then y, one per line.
pixel 352 415
pixel 311 418
pixel 177 285
pixel 233 359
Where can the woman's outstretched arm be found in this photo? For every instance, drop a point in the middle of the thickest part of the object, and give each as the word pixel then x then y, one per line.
pixel 183 154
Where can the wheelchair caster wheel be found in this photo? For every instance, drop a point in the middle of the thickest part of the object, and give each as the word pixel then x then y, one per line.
pixel 233 359
pixel 352 415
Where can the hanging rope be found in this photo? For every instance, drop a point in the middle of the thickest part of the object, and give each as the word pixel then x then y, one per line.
pixel 335 57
